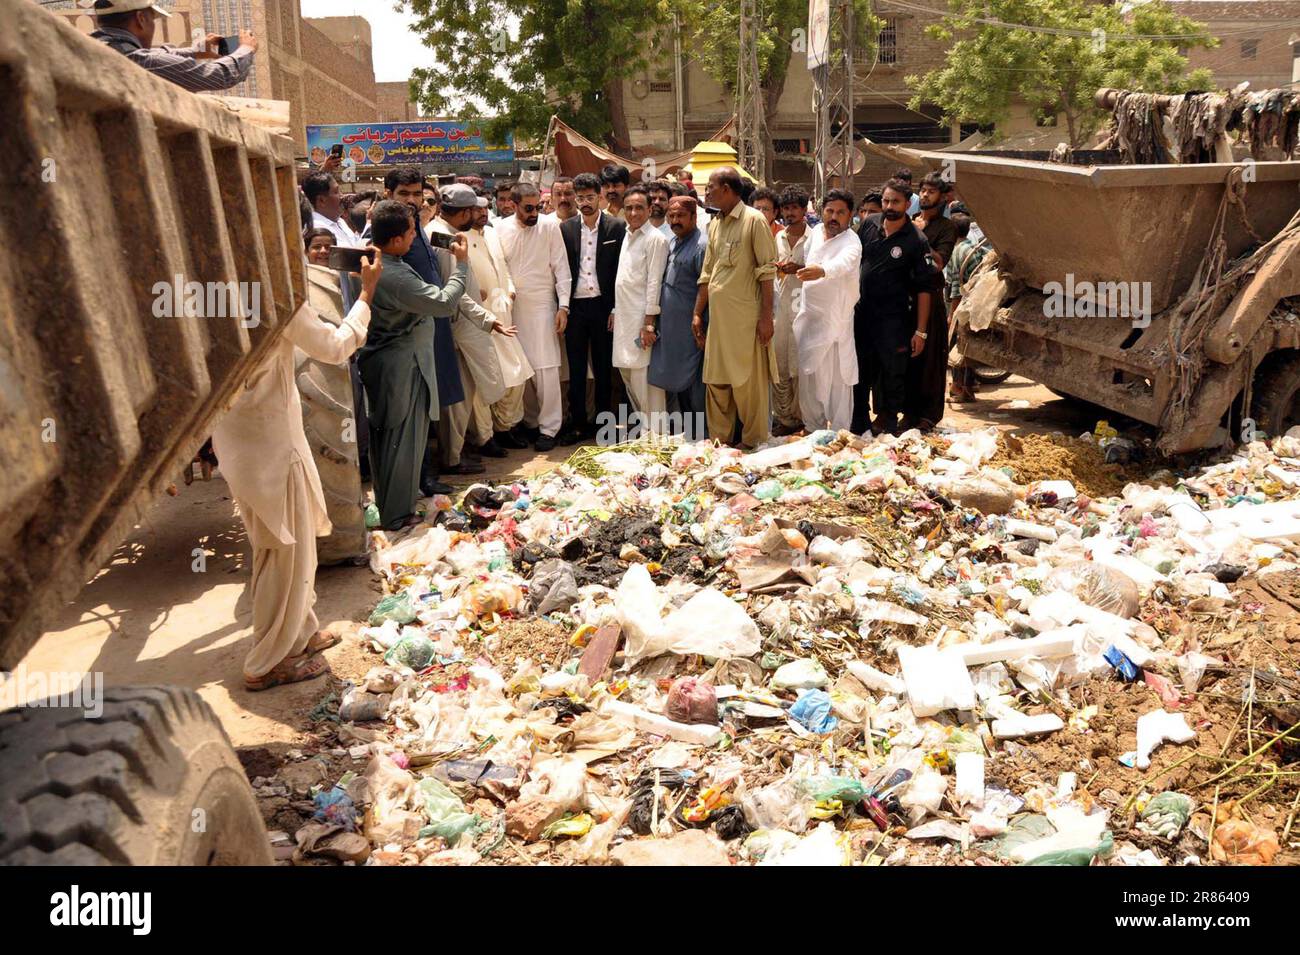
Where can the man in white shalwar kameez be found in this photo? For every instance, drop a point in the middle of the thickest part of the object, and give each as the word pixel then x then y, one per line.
pixel 487 263
pixel 823 326
pixel 791 246
pixel 636 304
pixel 539 266
pixel 266 461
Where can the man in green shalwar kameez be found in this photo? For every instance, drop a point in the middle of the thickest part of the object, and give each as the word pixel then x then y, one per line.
pixel 396 364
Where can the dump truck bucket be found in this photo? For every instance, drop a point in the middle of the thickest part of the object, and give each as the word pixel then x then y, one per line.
pixel 124 193
pixel 1107 224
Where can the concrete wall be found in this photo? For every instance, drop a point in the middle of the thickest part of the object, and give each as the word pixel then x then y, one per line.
pixel 395 104
pixel 1258 41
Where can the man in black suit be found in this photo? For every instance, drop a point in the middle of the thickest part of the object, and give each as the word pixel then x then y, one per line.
pixel 593 240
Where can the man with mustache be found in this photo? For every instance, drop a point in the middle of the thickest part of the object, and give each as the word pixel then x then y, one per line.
pixel 563 200
pixel 828 364
pixel 896 269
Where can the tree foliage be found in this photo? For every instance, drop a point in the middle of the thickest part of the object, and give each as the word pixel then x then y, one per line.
pixel 566 57
pixel 989 67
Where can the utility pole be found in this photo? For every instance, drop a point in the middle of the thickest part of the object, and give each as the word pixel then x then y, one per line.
pixel 833 102
pixel 679 91
pixel 751 132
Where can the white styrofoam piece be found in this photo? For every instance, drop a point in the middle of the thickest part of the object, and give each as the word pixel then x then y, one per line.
pixel 936 680
pixel 702 734
pixel 1014 728
pixel 1052 643
pixel 874 679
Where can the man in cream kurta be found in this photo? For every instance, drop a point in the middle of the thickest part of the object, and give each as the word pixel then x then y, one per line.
pixel 823 328
pixel 736 285
pixel 487 262
pixel 471 328
pixel 636 303
pixel 268 464
pixel 539 267
pixel 791 247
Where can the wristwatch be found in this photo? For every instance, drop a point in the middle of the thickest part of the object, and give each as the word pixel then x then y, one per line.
pixel 922 335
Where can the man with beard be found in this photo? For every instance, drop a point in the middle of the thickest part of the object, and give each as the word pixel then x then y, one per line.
pixel 614 180
pixel 736 285
pixel 593 241
pixel 828 364
pixel 563 200
pixel 927 374
pixel 895 269
pixel 791 246
pixel 676 360
pixel 534 251
pixel 660 192
pixel 472 327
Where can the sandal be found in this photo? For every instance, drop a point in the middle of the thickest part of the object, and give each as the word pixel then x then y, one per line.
pixel 323 640
pixel 289 670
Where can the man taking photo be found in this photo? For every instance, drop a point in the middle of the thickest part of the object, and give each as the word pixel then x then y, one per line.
pixel 128 27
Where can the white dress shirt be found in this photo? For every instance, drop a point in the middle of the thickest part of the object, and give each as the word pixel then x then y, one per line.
pixel 343 234
pixel 636 292
pixel 588 284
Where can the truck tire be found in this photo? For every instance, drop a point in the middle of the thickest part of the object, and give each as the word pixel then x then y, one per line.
pixel 1276 403
pixel 150 781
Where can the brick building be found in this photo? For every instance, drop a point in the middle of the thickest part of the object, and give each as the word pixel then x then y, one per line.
pixel 881 110
pixel 395 105
pixel 323 67
pixel 1259 41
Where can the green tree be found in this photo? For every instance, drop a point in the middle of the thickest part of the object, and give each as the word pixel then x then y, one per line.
pixel 1057 73
pixel 522 60
pixel 713 32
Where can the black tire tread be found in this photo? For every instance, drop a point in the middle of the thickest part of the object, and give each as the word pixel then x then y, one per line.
pixel 68 783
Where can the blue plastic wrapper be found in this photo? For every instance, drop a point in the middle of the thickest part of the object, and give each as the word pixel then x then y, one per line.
pixel 1125 667
pixel 335 806
pixel 812 711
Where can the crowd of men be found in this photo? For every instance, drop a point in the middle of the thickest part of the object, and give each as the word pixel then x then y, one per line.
pixel 748 312
pixel 473 309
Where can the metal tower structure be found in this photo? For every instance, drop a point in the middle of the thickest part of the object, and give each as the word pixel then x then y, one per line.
pixel 751 134
pixel 833 102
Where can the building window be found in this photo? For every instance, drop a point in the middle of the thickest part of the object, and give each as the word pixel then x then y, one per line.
pixel 1249 48
pixel 887 42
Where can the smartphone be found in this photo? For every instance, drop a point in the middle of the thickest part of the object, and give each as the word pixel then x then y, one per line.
pixel 347 259
pixel 337 150
pixel 440 240
pixel 227 45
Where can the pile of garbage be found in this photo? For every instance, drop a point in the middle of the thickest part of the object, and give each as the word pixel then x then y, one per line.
pixel 833 650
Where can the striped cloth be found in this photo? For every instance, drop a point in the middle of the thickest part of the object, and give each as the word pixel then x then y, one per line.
pixel 178 65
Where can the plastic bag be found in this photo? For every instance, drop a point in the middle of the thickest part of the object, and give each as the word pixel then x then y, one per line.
pixel 414 651
pixel 335 807
pixel 778 806
pixel 639 605
pixel 974 447
pixel 492 596
pixel 552 587
pixel 712 625
pixel 447 815
pixel 1077 856
pixel 843 788
pixel 397 607
pixel 691 701
pixel 813 711
pixel 1098 586
pixel 805 674
pixel 1166 814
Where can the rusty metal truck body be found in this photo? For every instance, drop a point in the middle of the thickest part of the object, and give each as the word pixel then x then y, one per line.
pixel 1071 240
pixel 150 256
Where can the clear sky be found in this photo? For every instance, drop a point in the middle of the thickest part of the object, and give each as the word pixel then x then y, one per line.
pixel 396 49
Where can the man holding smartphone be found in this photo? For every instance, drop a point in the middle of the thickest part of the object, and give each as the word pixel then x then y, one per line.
pixel 128 27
